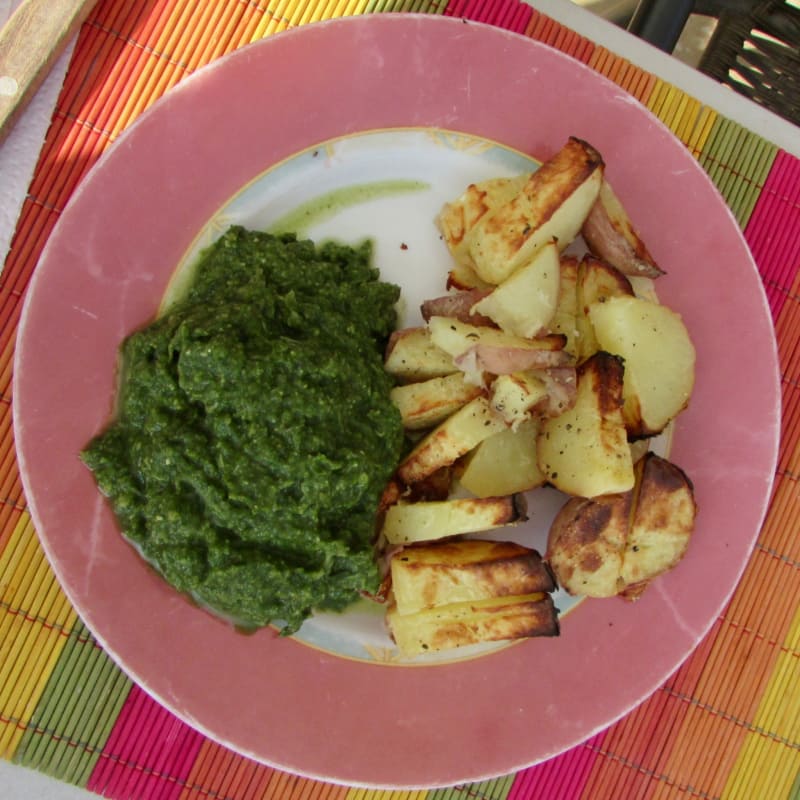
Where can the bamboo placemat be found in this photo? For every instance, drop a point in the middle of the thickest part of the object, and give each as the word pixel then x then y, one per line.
pixel 726 724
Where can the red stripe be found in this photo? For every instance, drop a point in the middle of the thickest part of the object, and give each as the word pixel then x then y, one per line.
pixel 563 777
pixel 772 229
pixel 149 753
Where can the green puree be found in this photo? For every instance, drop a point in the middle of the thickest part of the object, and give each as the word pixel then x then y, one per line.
pixel 254 431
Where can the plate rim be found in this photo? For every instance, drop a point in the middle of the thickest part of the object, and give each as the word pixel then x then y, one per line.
pixel 86 187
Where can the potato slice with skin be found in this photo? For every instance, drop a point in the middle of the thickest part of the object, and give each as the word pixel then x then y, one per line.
pixel 553 204
pixel 427 403
pixel 597 281
pixel 525 303
pixel 610 235
pixel 412 356
pixel 466 570
pixel 586 544
pixel 406 523
pixel 450 440
pixel 585 451
pixel 504 463
pixel 458 305
pixel 477 349
pixel 663 521
pixel 461 624
pixel 456 337
pixel 659 359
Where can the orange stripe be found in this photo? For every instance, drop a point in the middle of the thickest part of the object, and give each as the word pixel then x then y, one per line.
pixel 158 62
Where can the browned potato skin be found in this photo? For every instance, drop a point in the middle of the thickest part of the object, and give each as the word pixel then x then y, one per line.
pixel 586 544
pixel 663 522
pixel 445 572
pixel 610 235
pixel 462 624
pixel 618 544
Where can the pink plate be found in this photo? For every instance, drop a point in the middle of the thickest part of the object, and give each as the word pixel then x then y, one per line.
pixel 105 269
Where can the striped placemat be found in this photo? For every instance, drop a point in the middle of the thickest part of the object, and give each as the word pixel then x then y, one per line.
pixel 726 724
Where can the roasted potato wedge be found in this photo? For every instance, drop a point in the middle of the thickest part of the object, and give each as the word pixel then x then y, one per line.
pixel 505 463
pixel 610 235
pixel 525 303
pixel 597 281
pixel 659 359
pixel 412 356
pixel 450 440
pixel 406 523
pixel 552 205
pixel 427 403
pixel 585 451
pixel 461 624
pixel 459 218
pixel 467 570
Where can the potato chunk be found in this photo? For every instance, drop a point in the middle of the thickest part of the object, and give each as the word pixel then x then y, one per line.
pixel 505 463
pixel 450 440
pixel 513 396
pixel 405 523
pixel 659 359
pixel 585 451
pixel 586 544
pixel 619 543
pixel 469 570
pixel 461 624
pixel 458 219
pixel 564 319
pixel 427 403
pixel 663 521
pixel 412 356
pixel 597 281
pixel 524 304
pixel 552 205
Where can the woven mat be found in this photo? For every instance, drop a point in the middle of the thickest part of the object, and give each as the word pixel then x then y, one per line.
pixel 726 724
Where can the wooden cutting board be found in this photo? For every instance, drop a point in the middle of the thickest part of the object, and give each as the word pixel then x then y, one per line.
pixel 31 40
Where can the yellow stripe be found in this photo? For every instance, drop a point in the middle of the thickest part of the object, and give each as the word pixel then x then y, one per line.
pixel 36 617
pixel 769 759
pixel 383 794
pixel 703 126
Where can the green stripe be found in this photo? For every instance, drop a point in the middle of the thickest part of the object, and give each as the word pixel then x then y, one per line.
pixel 794 793
pixel 496 789
pixel 74 717
pixel 737 161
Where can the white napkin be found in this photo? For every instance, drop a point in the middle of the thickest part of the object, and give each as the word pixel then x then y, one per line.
pixel 20 150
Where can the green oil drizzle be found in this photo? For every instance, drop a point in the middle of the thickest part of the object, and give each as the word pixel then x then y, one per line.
pixel 328 205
